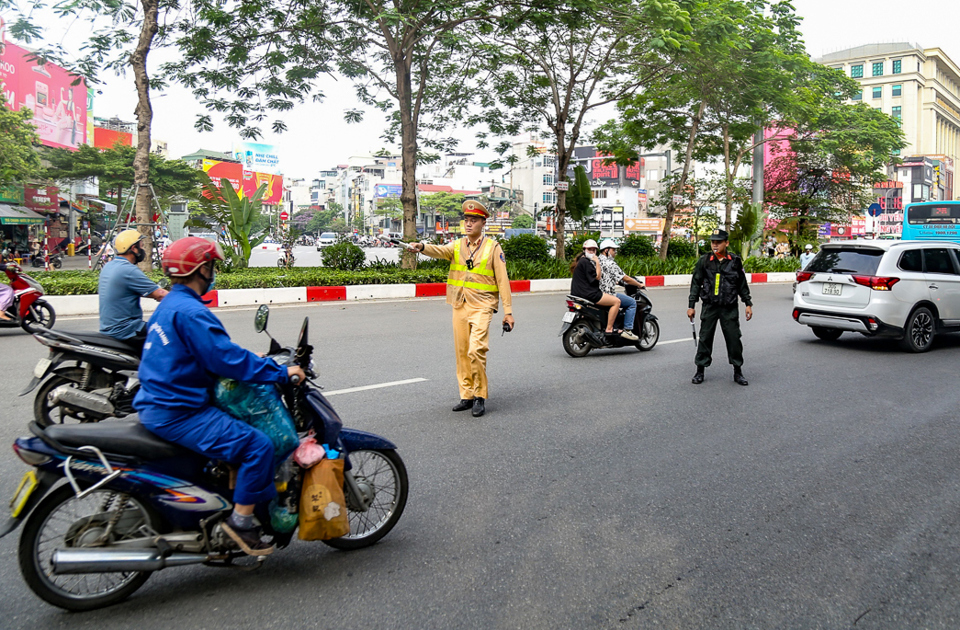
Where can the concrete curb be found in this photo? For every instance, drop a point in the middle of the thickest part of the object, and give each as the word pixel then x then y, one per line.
pixel 90 304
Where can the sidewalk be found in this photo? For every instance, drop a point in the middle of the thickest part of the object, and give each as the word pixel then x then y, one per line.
pixel 89 304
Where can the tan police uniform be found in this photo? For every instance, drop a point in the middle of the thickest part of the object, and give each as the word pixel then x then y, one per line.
pixel 475 294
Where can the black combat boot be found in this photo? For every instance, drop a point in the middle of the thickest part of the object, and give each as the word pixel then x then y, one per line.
pixel 738 377
pixel 698 377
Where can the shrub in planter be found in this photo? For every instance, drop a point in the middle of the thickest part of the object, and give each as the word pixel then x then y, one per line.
pixel 637 246
pixel 525 247
pixel 682 249
pixel 344 256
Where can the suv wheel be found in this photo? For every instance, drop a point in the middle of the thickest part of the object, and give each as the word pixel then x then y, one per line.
pixel 827 334
pixel 919 331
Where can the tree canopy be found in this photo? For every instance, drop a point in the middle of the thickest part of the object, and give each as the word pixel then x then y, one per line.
pixel 19 160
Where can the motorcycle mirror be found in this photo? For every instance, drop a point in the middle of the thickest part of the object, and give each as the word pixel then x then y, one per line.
pixel 302 340
pixel 164 284
pixel 260 319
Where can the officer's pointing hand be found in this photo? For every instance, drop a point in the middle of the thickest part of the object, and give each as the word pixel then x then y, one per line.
pixel 749 311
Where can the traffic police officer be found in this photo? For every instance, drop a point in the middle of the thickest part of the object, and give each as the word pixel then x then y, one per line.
pixel 718 280
pixel 476 283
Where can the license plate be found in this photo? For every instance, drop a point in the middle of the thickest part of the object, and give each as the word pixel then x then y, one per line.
pixel 568 316
pixel 27 485
pixel 41 368
pixel 832 288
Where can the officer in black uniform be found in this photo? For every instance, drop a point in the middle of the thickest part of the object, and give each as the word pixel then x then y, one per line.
pixel 718 280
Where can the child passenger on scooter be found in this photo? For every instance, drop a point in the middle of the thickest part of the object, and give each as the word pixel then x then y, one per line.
pixel 187 349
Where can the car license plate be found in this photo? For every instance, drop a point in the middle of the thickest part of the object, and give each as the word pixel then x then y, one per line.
pixel 568 316
pixel 41 368
pixel 27 485
pixel 832 288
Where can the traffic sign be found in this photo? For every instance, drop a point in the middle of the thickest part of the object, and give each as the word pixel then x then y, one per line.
pixel 284 215
pixel 875 210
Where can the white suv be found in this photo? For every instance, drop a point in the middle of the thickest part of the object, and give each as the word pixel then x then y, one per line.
pixel 326 240
pixel 907 290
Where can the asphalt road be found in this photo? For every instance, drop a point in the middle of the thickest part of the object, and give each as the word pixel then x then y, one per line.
pixel 598 492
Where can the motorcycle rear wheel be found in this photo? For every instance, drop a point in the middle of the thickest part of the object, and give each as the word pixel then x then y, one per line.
pixel 61 520
pixel 40 314
pixel 575 341
pixel 382 474
pixel 46 414
pixel 649 336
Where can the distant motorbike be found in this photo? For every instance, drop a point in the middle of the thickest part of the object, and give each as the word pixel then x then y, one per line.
pixel 584 324
pixel 86 377
pixel 285 259
pixel 134 503
pixel 56 261
pixel 28 310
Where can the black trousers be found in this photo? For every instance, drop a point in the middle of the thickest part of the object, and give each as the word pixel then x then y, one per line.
pixel 729 318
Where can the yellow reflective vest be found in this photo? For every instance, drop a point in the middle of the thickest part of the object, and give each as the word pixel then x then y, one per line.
pixel 480 277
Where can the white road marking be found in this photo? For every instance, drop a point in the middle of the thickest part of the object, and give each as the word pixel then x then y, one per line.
pixel 351 390
pixel 663 343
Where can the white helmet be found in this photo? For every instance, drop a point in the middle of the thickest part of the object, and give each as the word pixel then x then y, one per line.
pixel 608 243
pixel 590 243
pixel 808 247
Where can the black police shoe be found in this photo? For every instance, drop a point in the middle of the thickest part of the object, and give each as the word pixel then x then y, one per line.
pixel 478 407
pixel 698 377
pixel 738 377
pixel 464 404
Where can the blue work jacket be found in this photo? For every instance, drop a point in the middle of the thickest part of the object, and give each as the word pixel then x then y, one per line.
pixel 186 351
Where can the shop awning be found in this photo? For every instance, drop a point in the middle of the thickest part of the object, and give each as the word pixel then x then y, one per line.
pixel 18 215
pixel 109 208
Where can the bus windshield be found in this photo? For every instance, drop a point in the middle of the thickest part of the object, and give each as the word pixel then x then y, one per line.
pixel 932 221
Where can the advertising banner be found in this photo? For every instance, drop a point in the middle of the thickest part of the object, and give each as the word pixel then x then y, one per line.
pixel 601 174
pixel 12 193
pixel 643 225
pixel 232 171
pixel 253 180
pixel 257 157
pixel 387 190
pixel 108 138
pixel 59 108
pixel 42 199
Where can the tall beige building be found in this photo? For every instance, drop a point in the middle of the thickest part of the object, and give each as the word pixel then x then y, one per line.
pixel 918 86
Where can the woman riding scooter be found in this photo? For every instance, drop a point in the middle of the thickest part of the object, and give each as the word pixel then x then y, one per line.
pixel 586 284
pixel 6 292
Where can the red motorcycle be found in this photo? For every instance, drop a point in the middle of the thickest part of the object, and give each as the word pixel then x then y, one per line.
pixel 27 310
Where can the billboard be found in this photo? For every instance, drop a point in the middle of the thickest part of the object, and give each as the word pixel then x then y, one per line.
pixel 59 108
pixel 601 174
pixel 231 170
pixel 253 180
pixel 257 157
pixel 106 138
pixel 42 199
pixel 387 190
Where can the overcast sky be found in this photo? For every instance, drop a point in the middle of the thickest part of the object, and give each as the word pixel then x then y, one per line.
pixel 318 138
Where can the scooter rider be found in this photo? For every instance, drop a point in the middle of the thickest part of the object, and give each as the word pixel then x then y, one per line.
pixel 6 292
pixel 586 284
pixel 186 351
pixel 611 276
pixel 120 288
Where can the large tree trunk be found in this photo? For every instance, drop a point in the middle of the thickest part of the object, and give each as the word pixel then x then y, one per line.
pixel 144 114
pixel 729 177
pixel 563 159
pixel 408 153
pixel 671 205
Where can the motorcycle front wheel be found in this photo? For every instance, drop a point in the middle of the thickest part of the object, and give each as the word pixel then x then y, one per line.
pixel 575 340
pixel 382 479
pixel 40 314
pixel 61 520
pixel 649 336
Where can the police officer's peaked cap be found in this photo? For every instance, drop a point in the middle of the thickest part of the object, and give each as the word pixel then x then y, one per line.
pixel 719 235
pixel 472 208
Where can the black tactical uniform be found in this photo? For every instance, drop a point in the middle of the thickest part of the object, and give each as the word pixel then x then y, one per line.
pixel 718 283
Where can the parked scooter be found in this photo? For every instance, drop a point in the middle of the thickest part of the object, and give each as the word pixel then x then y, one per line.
pixel 584 324
pixel 86 377
pixel 28 310
pixel 135 503
pixel 56 260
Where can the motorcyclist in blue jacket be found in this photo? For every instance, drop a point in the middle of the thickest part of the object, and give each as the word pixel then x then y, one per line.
pixel 187 349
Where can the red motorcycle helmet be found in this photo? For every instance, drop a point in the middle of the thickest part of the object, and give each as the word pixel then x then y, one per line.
pixel 186 255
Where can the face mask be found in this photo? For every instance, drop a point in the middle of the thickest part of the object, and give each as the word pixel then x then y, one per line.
pixel 139 254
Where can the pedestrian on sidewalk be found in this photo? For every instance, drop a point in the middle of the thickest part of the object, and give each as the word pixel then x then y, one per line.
pixel 718 280
pixel 476 284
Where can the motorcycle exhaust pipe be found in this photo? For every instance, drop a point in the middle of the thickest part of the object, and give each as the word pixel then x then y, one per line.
pixel 87 560
pixel 74 397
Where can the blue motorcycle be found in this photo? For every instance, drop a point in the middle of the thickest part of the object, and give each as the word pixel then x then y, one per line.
pixel 106 504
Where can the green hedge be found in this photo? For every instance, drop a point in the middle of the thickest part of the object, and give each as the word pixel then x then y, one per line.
pixel 85 282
